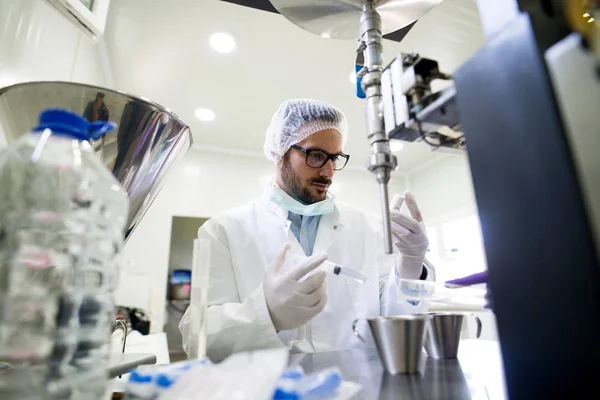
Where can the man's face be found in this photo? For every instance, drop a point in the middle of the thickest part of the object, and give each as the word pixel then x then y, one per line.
pixel 306 184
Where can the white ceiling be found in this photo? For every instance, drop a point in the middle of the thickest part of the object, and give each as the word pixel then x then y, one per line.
pixel 159 49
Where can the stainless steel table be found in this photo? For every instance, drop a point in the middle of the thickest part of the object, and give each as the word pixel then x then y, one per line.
pixel 477 374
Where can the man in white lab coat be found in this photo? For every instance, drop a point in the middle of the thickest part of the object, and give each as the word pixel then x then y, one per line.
pixel 265 288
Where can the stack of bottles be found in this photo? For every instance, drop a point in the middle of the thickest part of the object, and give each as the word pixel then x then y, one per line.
pixel 62 215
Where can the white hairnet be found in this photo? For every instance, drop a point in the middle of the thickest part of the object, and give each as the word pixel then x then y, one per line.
pixel 295 120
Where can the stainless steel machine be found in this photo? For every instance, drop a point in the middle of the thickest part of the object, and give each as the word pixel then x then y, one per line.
pixel 526 108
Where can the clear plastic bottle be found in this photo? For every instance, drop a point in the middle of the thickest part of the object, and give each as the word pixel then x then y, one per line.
pixel 62 215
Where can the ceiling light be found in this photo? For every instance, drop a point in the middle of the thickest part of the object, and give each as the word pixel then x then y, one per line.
pixel 222 42
pixel 205 115
pixel 396 145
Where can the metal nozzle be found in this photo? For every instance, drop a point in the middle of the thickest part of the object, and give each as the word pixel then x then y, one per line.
pixel 382 163
pixel 385 216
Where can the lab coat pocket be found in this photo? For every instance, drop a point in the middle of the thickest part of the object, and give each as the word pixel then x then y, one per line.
pixel 365 298
pixel 331 328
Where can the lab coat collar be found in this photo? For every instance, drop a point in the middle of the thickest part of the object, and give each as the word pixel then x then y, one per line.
pixel 273 208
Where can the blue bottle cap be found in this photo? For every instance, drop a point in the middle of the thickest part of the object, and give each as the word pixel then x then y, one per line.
pixel 68 123
pixel 139 377
pixel 165 381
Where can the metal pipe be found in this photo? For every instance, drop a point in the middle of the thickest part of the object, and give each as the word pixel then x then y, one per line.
pixel 385 216
pixel 122 325
pixel 382 162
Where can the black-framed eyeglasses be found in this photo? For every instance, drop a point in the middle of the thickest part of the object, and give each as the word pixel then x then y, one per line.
pixel 316 158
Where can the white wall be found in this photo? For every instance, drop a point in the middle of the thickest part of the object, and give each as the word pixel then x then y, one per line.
pixel 444 189
pixel 203 184
pixel 38 43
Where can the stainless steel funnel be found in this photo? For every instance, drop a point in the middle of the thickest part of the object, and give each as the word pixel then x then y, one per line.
pixel 148 140
pixel 339 19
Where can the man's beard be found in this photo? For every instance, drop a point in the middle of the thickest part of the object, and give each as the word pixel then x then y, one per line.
pixel 294 185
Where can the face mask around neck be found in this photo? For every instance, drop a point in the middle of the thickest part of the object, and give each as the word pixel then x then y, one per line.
pixel 285 201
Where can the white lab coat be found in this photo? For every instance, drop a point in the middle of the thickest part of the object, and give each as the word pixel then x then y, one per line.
pixel 246 240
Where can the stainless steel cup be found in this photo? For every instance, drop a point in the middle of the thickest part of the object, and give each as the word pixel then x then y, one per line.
pixel 443 333
pixel 399 341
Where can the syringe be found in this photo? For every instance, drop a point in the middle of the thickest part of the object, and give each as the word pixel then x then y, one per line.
pixel 335 269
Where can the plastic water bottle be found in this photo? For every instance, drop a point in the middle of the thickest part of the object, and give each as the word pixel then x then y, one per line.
pixel 62 215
